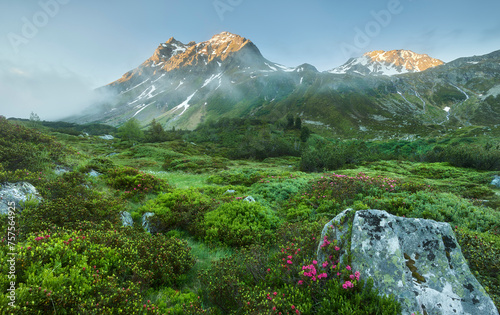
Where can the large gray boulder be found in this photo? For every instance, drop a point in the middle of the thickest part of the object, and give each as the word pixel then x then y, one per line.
pixel 418 261
pixel 18 193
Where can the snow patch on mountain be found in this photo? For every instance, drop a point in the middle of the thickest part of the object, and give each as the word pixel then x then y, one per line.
pixel 141 108
pixel 212 77
pixel 185 105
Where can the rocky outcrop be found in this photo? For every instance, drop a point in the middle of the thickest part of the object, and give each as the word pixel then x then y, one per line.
pixel 18 193
pixel 418 261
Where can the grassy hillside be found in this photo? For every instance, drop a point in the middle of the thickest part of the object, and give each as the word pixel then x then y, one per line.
pixel 214 252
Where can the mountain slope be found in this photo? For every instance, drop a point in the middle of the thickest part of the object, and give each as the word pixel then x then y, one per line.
pixel 182 85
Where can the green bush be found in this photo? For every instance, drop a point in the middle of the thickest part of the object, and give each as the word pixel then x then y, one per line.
pixel 442 207
pixel 134 183
pixel 332 193
pixel 482 251
pixel 272 190
pixel 67 200
pixel 239 223
pixel 24 148
pixel 176 302
pixel 101 165
pixel 261 280
pixel 477 156
pixel 183 209
pixel 196 164
pixel 150 260
pixel 324 156
pixel 245 177
pixel 91 271
pixel 21 175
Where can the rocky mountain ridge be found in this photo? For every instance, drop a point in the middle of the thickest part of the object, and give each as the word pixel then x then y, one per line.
pixel 392 62
pixel 182 85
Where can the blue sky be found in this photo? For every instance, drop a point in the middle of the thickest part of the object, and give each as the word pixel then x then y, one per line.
pixel 55 50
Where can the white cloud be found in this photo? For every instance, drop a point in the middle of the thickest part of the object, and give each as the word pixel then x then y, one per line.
pixel 50 93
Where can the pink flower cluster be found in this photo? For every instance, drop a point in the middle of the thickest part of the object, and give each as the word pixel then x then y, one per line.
pixel 42 237
pixel 347 285
pixel 326 242
pixel 313 273
pixel 288 258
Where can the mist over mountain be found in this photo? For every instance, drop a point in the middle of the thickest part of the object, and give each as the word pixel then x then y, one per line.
pixel 395 92
pixel 51 93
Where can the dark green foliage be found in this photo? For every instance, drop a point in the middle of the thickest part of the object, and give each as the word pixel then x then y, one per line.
pixel 245 177
pixel 290 121
pixel 333 193
pixel 323 155
pixel 195 164
pixel 184 209
pixel 67 201
pixel 448 95
pixel 482 251
pixel 131 131
pixel 239 223
pixel 335 155
pixel 76 129
pixel 133 183
pixel 273 191
pixel 155 133
pixel 20 175
pixel 364 299
pixel 477 156
pixel 247 138
pixel 298 123
pixel 261 280
pixel 304 133
pixel 443 207
pixel 99 164
pixel 24 148
pixel 92 270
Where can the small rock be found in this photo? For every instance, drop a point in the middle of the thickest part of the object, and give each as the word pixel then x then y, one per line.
pixel 249 199
pixel 496 181
pixel 149 224
pixel 94 173
pixel 107 137
pixel 60 170
pixel 230 191
pixel 126 218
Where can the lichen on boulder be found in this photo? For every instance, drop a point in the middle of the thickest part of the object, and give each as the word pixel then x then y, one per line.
pixel 18 193
pixel 418 261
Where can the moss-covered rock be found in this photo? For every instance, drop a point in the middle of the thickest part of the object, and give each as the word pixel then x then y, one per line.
pixel 419 261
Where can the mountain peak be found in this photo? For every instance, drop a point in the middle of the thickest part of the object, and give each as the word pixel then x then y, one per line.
pixel 174 55
pixel 410 61
pixel 380 62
